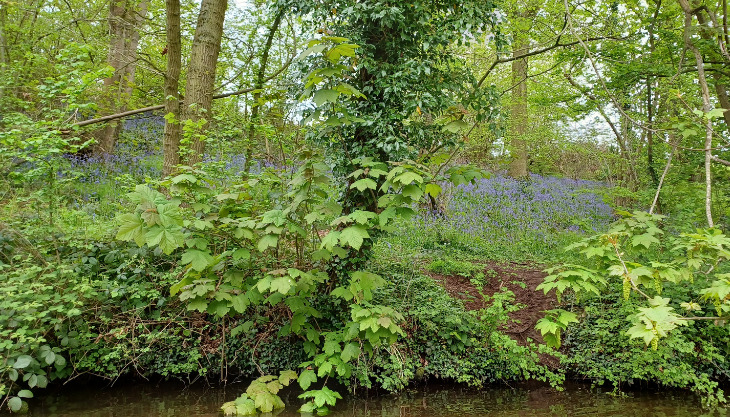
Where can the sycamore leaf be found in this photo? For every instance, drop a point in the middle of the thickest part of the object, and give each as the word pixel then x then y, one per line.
pixel 275 217
pixel 285 377
pixel 364 184
pixel 282 285
pixel 407 178
pixel 168 238
pixel 131 228
pixel 198 259
pixel 433 189
pixel 306 378
pixel 268 241
pixel 646 239
pixel 354 236
pixel 351 350
pixel 325 95
pixel 330 240
pixel 241 253
pixel 361 216
pixel 412 191
pixel 169 215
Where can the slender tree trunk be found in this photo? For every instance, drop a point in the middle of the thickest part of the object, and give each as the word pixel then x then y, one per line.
pixel 171 140
pixel 259 85
pixel 4 59
pixel 706 106
pixel 518 109
pixel 124 22
pixel 650 135
pixel 201 72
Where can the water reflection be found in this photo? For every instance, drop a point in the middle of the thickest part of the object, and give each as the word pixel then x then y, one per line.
pixel 171 400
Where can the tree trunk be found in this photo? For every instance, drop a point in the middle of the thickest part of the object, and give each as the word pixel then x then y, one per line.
pixel 518 110
pixel 4 60
pixel 171 140
pixel 124 22
pixel 201 72
pixel 259 85
pixel 706 106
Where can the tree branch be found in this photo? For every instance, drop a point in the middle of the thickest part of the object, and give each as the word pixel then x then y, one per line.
pixel 162 106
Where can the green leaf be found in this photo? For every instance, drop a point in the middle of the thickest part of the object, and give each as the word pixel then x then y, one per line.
pixel 198 259
pixel 354 236
pixel 433 189
pixel 131 228
pixel 285 377
pixel 306 378
pixel 168 239
pixel 169 215
pixel 361 216
pixel 324 96
pixel 241 253
pixel 364 184
pixel 282 285
pixel 22 362
pixel 200 304
pixel 268 241
pixel 15 404
pixel 646 239
pixel 351 350
pixel 25 394
pixel 412 191
pixel 456 126
pixel 275 217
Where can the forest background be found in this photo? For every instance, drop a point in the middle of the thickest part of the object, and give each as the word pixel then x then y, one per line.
pixel 224 191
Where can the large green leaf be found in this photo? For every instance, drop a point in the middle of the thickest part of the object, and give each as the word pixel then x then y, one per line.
pixel 324 96
pixel 354 236
pixel 131 228
pixel 198 259
pixel 168 238
pixel 268 241
pixel 306 378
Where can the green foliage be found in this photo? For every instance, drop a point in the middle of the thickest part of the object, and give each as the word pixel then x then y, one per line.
pixel 448 266
pixel 36 306
pixel 671 276
pixel 261 396
pixel 553 323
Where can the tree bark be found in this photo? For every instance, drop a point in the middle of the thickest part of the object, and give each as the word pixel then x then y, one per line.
pixel 201 73
pixel 518 109
pixel 4 60
pixel 171 139
pixel 706 106
pixel 124 22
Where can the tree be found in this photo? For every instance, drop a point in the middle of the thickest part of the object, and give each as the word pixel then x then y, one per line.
pixel 125 20
pixel 417 89
pixel 171 138
pixel 201 74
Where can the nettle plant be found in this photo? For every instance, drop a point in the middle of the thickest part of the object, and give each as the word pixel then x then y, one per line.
pixel 636 253
pixel 241 254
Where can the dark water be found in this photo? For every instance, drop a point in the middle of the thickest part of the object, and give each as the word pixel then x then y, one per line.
pixel 171 400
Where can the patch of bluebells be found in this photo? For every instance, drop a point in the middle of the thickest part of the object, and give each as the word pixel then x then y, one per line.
pixel 102 179
pixel 501 216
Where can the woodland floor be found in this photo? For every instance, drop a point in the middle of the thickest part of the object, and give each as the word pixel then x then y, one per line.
pixel 521 279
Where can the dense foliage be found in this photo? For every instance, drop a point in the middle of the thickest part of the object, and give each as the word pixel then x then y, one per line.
pixel 346 199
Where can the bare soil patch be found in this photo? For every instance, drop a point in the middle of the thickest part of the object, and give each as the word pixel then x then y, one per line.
pixel 519 277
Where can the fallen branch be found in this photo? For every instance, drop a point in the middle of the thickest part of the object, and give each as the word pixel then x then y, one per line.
pixel 162 106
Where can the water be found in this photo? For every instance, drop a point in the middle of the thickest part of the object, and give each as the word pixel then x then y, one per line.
pixel 172 400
